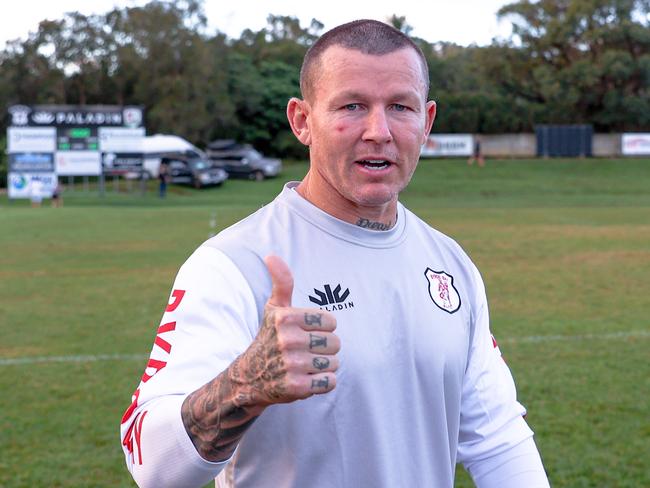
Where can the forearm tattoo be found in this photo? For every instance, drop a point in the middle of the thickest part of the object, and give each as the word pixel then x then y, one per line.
pixel 216 415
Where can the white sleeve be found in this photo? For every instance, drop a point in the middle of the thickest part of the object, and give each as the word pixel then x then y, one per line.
pixel 514 468
pixel 491 419
pixel 211 319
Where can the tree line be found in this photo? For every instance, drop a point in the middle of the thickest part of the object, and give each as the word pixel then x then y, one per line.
pixel 567 62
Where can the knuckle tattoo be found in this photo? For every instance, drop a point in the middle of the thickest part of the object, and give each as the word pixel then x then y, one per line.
pixel 320 383
pixel 320 363
pixel 314 319
pixel 316 340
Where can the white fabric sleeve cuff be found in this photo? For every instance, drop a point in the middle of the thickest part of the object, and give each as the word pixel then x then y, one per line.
pixel 167 444
pixel 519 466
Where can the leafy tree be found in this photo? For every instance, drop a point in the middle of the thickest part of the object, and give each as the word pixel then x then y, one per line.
pixel 582 60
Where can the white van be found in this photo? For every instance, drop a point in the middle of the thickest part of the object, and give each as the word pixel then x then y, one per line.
pixel 154 147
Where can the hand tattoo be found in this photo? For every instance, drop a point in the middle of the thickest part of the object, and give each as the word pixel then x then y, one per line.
pixel 317 341
pixel 320 363
pixel 313 319
pixel 216 415
pixel 320 383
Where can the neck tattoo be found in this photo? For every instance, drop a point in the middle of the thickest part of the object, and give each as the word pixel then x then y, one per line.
pixel 369 224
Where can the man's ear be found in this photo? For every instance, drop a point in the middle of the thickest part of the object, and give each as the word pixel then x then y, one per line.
pixel 298 115
pixel 430 109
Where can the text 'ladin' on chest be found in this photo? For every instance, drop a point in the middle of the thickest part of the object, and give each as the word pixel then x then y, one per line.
pixel 332 297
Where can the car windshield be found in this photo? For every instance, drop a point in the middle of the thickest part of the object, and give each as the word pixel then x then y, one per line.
pixel 200 164
pixel 253 155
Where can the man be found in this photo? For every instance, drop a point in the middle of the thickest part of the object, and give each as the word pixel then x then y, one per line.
pixel 333 339
pixel 477 154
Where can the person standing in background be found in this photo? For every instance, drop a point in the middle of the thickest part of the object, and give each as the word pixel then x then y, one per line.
pixel 477 154
pixel 163 175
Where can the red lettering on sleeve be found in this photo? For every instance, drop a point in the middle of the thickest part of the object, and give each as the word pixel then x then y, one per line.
pixel 177 296
pixel 155 364
pixel 162 343
pixel 132 407
pixel 137 434
pixel 134 433
pixel 128 441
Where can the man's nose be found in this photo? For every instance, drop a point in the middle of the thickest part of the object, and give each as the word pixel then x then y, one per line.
pixel 377 127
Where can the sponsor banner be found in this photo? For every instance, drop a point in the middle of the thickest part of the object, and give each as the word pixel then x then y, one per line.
pixel 76 116
pixel 31 163
pixel 447 145
pixel 121 139
pixel 117 163
pixel 25 185
pixel 78 163
pixel 31 139
pixel 636 144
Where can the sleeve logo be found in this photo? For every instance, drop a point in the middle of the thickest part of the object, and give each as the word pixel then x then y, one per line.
pixel 442 290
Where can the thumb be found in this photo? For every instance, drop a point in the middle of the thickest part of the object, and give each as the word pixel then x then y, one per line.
pixel 281 281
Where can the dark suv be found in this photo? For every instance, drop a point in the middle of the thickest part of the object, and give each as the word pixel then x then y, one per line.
pixel 197 172
pixel 242 160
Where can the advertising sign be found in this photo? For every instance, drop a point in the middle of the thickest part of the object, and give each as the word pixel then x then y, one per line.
pixel 71 140
pixel 31 139
pixel 31 163
pixel 121 139
pixel 118 163
pixel 636 144
pixel 447 145
pixel 23 185
pixel 75 116
pixel 78 163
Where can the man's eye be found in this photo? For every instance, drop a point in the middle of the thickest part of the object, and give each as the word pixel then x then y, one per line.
pixel 399 107
pixel 352 107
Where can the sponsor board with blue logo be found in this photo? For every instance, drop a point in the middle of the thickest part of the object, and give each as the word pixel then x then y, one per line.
pixel 21 185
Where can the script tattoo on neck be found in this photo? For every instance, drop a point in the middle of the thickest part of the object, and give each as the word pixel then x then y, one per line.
pixel 369 224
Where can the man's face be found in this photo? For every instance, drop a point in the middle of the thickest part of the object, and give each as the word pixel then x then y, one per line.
pixel 367 118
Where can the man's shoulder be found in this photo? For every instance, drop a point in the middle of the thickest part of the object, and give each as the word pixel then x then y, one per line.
pixel 417 224
pixel 251 232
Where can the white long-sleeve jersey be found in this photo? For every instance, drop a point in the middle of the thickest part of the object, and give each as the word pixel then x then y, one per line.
pixel 420 387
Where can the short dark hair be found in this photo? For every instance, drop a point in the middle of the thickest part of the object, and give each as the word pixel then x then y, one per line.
pixel 366 35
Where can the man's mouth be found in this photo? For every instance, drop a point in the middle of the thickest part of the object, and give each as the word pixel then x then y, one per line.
pixel 374 164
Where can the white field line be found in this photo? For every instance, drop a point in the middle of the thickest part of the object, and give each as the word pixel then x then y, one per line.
pixel 72 359
pixel 582 337
pixel 142 357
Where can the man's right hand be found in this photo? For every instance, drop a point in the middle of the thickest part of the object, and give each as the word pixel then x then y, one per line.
pixel 293 357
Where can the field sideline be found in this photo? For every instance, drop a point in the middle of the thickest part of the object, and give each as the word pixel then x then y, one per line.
pixel 563 246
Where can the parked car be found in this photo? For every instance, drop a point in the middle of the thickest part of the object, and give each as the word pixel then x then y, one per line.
pixel 153 149
pixel 242 160
pixel 195 171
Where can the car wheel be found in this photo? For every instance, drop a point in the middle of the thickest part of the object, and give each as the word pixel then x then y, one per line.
pixel 197 184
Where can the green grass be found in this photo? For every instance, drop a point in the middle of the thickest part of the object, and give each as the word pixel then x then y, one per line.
pixel 564 247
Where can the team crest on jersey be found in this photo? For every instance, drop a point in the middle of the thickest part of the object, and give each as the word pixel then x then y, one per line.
pixel 442 290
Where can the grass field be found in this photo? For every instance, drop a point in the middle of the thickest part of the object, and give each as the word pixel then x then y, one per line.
pixel 564 248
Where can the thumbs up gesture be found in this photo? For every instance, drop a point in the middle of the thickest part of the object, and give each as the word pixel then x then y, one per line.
pixel 294 354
